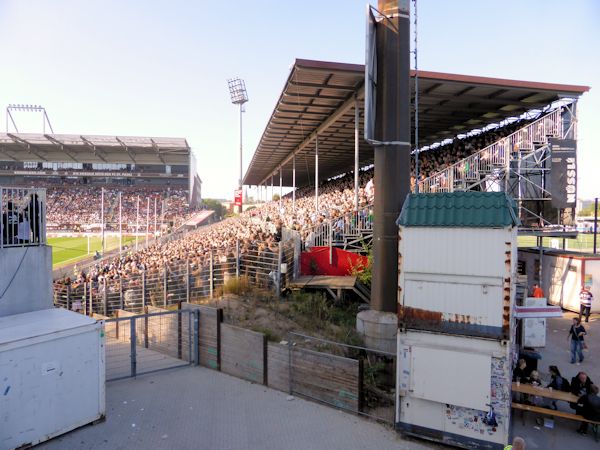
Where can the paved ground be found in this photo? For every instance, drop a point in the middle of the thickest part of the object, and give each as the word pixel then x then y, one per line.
pixel 557 353
pixel 197 408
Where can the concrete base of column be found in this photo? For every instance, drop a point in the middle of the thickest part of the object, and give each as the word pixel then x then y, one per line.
pixel 378 329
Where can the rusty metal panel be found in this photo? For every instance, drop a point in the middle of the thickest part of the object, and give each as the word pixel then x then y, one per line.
pixel 457 281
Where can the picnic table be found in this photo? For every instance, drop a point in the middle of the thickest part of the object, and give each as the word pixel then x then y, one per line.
pixel 554 395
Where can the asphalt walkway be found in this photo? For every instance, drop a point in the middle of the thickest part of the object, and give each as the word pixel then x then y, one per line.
pixel 198 408
pixel 563 434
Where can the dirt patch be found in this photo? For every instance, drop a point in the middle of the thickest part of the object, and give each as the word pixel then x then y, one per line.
pixel 310 314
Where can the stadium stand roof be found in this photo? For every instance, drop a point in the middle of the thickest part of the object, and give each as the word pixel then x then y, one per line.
pixel 93 149
pixel 319 97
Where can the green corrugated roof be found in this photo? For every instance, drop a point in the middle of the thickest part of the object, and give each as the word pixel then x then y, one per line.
pixel 459 209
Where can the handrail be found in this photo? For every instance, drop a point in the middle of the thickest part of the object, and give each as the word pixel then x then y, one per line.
pixel 22 216
pixel 494 157
pixel 331 232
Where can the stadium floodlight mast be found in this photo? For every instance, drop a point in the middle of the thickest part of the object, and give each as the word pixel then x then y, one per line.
pixel 239 96
pixel 27 108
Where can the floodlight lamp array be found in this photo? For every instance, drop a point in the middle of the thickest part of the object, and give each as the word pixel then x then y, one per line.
pixel 32 108
pixel 237 91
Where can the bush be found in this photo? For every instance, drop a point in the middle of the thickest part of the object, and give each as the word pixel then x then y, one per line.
pixel 364 273
pixel 237 285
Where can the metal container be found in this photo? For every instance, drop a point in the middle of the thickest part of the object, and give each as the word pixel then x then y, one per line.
pixel 457 280
pixel 446 385
pixel 52 375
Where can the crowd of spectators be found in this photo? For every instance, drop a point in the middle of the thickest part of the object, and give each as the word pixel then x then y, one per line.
pixel 258 230
pixel 79 207
pixel 439 158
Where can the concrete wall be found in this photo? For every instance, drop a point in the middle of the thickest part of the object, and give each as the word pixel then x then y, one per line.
pixel 25 279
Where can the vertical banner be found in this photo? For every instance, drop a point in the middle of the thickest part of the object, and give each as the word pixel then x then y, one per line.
pixel 563 173
pixel 237 197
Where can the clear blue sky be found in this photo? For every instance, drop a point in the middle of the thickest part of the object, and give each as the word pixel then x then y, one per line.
pixel 159 68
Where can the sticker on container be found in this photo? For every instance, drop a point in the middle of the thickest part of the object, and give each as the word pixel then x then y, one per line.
pixel 50 368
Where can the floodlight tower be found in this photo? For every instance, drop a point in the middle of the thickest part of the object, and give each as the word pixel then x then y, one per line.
pixel 239 96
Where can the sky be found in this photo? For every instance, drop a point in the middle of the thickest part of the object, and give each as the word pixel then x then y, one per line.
pixel 160 67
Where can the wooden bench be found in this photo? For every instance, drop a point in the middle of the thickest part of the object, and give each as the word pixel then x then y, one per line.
pixel 555 413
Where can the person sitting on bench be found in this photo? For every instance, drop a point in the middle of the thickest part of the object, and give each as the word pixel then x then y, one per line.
pixel 580 386
pixel 557 382
pixel 588 406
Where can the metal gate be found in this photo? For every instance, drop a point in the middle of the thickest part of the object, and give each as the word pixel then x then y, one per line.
pixel 151 342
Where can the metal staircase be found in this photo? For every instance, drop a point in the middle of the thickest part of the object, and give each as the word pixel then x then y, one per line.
pixel 516 164
pixel 352 231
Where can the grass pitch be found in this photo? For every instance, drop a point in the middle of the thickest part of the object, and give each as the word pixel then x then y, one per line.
pixel 71 249
pixel 584 242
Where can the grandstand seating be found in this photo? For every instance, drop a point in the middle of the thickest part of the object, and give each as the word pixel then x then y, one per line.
pixel 486 166
pixel 78 207
pixel 257 231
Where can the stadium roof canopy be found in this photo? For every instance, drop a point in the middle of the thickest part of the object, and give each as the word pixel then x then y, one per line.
pixel 93 149
pixel 319 97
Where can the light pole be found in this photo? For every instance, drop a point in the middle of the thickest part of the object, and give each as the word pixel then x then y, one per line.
pixel 239 96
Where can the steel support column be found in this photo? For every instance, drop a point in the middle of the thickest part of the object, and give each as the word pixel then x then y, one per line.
pixel 317 173
pixel 294 183
pixel 280 188
pixel 392 162
pixel 356 152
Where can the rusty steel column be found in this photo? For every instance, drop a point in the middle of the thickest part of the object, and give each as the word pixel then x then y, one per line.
pixel 392 162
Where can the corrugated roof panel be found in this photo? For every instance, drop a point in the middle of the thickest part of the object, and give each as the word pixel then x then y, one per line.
pixel 459 209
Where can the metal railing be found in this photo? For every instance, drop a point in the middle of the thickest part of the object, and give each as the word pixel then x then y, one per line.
pixel 180 282
pixel 346 230
pixel 23 217
pixel 151 342
pixel 494 159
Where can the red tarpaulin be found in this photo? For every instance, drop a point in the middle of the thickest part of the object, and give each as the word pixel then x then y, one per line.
pixel 316 262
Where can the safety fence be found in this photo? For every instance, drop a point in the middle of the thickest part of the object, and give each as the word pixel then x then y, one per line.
pixel 270 268
pixel 22 217
pixel 350 230
pixel 352 378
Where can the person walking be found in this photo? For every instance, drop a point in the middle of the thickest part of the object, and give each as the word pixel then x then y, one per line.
pixel 576 334
pixel 585 302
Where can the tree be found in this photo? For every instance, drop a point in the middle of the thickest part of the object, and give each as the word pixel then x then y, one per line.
pixel 216 206
pixel 276 197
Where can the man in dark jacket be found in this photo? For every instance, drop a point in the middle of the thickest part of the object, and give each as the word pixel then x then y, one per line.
pixel 589 407
pixel 580 385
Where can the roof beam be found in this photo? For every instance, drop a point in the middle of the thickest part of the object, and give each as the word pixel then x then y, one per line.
pixel 124 145
pixel 62 147
pixel 340 112
pixel 322 86
pixel 27 145
pixel 94 149
pixel 157 149
pixel 4 152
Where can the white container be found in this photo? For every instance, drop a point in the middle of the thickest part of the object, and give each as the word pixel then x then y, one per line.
pixel 534 330
pixel 446 384
pixel 457 280
pixel 52 375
